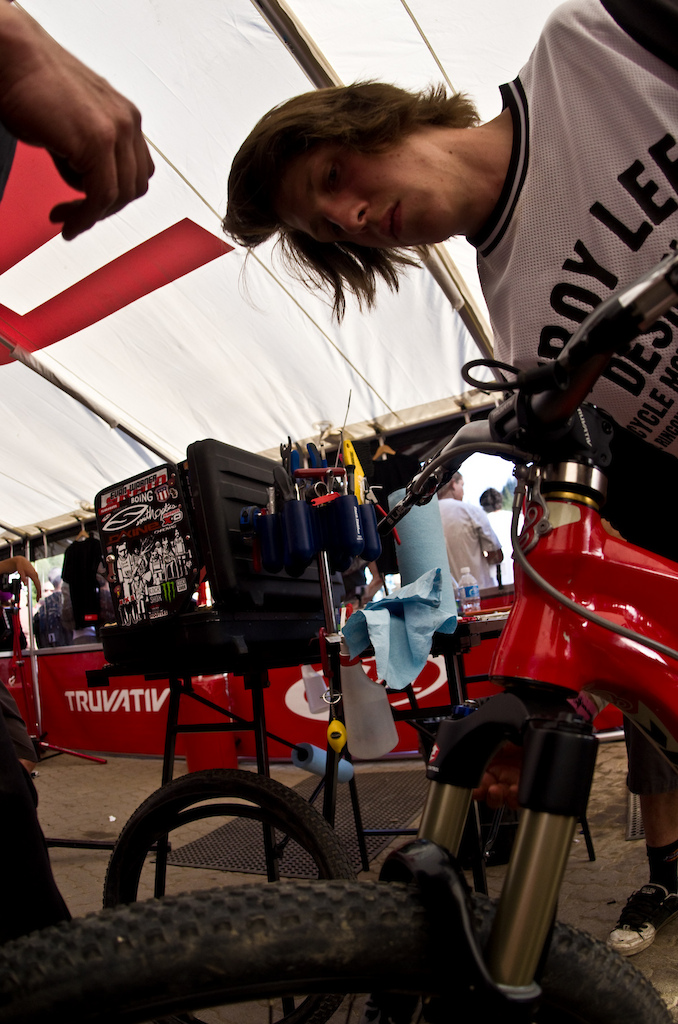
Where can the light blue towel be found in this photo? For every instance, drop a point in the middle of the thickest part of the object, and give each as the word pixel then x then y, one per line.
pixel 422 547
pixel 400 628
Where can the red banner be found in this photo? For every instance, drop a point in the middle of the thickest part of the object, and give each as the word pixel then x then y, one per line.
pixel 129 716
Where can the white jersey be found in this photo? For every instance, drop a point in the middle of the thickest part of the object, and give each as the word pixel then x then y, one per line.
pixel 590 203
pixel 468 535
pixel 500 521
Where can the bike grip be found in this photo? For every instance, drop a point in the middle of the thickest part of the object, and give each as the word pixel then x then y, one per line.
pixel 368 520
pixel 269 532
pixel 319 522
pixel 298 540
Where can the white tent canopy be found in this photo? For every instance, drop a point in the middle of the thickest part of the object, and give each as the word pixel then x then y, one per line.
pixel 148 320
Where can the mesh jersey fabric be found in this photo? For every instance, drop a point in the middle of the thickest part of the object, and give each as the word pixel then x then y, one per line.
pixel 590 203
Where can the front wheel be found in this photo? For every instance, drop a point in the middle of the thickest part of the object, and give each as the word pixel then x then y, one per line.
pixel 249 944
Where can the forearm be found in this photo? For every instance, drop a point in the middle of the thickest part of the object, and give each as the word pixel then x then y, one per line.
pixel 50 99
pixel 23 44
pixel 41 84
pixel 653 24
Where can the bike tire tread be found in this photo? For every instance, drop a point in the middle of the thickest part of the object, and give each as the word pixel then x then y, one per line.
pixel 143 960
pixel 157 815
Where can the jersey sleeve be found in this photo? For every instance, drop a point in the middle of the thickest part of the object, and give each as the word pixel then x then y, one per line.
pixel 652 23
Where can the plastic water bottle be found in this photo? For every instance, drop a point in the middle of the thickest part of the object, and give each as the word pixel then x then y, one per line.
pixel 468 593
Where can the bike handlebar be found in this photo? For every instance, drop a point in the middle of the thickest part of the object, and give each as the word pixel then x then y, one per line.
pixel 541 409
pixel 607 331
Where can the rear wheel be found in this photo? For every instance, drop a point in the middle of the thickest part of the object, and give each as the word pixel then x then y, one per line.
pixel 248 944
pixel 225 822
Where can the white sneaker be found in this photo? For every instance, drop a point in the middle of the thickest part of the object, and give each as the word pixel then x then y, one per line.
pixel 646 911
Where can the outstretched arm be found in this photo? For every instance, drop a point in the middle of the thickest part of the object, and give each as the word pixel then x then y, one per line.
pixel 50 99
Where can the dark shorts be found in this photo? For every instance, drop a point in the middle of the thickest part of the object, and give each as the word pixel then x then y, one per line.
pixel 642 494
pixel 648 771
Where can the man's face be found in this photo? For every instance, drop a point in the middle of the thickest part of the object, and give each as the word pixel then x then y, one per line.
pixel 457 489
pixel 404 196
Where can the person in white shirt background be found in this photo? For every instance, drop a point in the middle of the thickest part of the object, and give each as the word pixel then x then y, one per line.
pixel 469 537
pixel 500 518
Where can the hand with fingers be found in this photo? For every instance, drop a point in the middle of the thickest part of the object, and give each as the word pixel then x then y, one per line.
pixel 50 99
pixel 17 563
pixel 499 784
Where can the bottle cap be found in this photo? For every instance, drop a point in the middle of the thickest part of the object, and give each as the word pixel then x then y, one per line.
pixel 464 569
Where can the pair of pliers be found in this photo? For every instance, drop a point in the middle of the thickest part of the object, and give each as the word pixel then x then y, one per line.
pixel 315 458
pixel 286 454
pixel 290 457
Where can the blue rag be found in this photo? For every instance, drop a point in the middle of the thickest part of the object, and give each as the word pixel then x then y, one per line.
pixel 400 628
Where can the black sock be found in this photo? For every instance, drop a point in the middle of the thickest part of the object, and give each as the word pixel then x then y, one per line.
pixel 664 865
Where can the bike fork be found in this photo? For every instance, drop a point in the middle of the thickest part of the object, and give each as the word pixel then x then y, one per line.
pixel 529 897
pixel 559 753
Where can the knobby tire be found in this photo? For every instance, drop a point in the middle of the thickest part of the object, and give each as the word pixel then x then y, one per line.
pixel 268 802
pixel 182 800
pixel 145 960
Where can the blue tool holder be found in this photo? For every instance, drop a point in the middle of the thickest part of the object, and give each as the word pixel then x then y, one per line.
pixel 292 538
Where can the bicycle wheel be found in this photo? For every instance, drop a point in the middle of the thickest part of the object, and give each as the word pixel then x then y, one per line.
pixel 235 945
pixel 226 817
pixel 215 821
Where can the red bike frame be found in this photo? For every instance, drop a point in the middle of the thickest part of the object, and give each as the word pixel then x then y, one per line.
pixel 544 641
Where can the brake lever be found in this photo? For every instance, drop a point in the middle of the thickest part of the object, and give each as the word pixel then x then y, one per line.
pixel 409 499
pixel 472 437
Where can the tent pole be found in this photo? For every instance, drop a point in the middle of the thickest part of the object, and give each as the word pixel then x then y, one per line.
pixel 301 46
pixel 59 380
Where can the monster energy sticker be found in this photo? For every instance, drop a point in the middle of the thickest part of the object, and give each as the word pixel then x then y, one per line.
pixel 145 532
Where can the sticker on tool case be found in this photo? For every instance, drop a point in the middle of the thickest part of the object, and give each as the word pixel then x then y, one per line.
pixel 148 550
